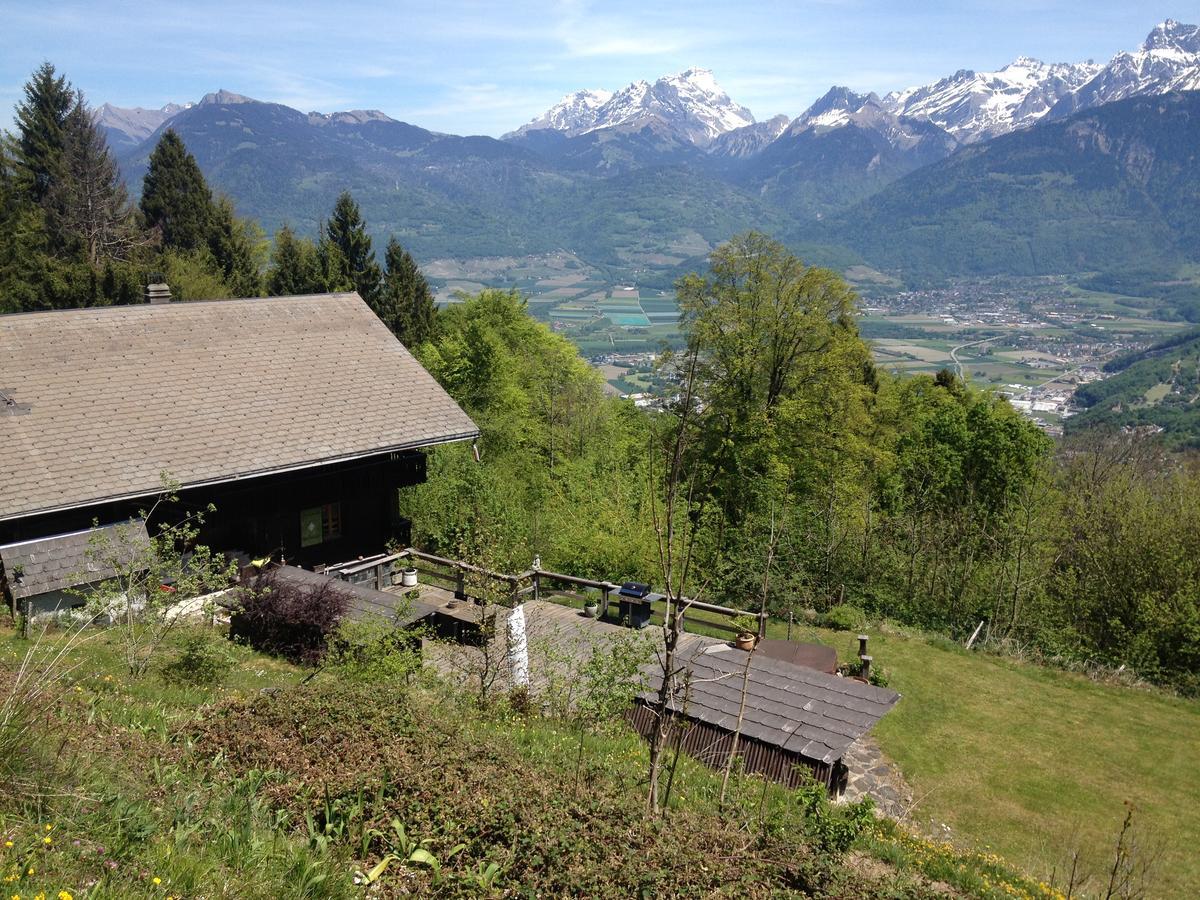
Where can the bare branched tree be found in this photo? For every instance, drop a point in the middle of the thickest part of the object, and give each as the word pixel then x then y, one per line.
pixel 152 580
pixel 772 543
pixel 675 518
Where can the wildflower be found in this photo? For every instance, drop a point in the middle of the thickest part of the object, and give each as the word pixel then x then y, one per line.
pixel 47 840
pixel 8 843
pixel 156 880
pixel 49 827
pixel 63 895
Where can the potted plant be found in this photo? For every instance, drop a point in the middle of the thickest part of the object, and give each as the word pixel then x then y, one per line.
pixel 408 576
pixel 747 632
pixel 591 607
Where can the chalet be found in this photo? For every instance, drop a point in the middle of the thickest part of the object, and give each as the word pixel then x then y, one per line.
pixel 298 418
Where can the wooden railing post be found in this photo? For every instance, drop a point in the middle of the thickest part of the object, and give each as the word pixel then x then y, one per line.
pixel 460 587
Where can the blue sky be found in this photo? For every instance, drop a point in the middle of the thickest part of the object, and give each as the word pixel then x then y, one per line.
pixel 485 68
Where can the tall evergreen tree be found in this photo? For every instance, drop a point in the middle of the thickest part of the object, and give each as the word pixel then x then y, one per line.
pixel 88 209
pixel 238 247
pixel 405 302
pixel 41 131
pixel 295 266
pixel 175 196
pixel 347 232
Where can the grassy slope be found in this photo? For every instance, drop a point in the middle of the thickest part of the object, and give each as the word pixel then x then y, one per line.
pixel 1028 761
pixel 1032 761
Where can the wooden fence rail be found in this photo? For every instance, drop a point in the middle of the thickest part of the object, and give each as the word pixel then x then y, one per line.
pixel 531 583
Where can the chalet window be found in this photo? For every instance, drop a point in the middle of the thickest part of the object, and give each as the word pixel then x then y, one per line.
pixel 320 524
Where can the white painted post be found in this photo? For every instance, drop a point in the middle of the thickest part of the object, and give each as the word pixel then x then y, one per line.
pixel 518 647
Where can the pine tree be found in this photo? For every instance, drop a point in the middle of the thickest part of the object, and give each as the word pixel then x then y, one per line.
pixel 88 210
pixel 295 266
pixel 238 246
pixel 41 126
pixel 335 268
pixel 347 232
pixel 175 196
pixel 406 302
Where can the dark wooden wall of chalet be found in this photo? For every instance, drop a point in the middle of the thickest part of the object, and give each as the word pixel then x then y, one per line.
pixel 262 515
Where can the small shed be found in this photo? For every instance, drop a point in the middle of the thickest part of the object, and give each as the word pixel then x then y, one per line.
pixel 796 718
pixel 48 572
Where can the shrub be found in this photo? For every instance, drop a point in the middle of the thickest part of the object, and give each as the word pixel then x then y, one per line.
pixel 844 617
pixel 374 651
pixel 293 619
pixel 201 662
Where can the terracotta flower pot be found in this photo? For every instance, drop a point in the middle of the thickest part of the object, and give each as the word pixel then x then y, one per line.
pixel 746 640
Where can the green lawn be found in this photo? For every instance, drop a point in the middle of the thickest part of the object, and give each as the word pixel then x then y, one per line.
pixel 1033 762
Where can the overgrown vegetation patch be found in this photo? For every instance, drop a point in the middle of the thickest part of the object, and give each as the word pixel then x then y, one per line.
pixel 376 763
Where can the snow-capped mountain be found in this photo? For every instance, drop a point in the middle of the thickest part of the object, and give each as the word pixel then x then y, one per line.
pixel 841 107
pixel 749 139
pixel 975 106
pixel 573 114
pixel 834 109
pixel 841 149
pixel 1168 60
pixel 129 126
pixel 690 103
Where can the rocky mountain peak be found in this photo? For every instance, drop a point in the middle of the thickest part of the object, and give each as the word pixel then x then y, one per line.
pixel 1172 35
pixel 690 103
pixel 224 98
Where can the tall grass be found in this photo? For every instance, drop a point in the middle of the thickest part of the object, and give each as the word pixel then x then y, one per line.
pixel 31 737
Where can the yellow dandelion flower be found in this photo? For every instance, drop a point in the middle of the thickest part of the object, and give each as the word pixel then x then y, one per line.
pixel 156 880
pixel 63 895
pixel 47 840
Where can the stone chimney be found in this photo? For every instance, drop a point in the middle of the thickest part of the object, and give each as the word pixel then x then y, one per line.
pixel 157 293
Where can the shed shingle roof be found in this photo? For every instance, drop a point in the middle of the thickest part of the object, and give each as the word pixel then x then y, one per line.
pixel 209 391
pixel 801 710
pixel 63 560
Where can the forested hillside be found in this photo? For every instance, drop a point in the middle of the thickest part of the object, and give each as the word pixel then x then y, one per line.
pixel 817 478
pixel 1157 388
pixel 1109 189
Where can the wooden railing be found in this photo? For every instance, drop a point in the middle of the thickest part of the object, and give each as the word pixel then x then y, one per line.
pixel 537 584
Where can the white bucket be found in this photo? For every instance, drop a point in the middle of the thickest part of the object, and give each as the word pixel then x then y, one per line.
pixel 408 577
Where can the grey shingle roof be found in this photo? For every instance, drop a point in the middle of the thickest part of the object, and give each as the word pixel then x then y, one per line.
pixel 62 560
pixel 798 709
pixel 212 391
